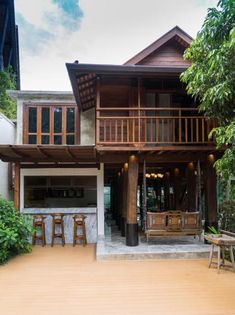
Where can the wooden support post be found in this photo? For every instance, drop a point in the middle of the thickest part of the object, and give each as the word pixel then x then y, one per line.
pixel 167 191
pixel 191 187
pixel 144 197
pixel 176 188
pixel 17 186
pixel 124 199
pixel 132 183
pixel 209 176
pixel 118 200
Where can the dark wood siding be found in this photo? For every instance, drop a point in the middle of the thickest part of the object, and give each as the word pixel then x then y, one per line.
pixel 170 54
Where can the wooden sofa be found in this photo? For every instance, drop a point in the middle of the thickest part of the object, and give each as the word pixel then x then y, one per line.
pixel 175 223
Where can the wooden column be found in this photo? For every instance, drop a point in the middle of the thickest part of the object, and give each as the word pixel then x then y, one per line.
pixel 210 180
pixel 17 186
pixel 131 216
pixel 176 188
pixel 124 199
pixel 167 191
pixel 191 187
pixel 144 197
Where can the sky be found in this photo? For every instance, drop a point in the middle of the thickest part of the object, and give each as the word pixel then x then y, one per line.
pixel 53 32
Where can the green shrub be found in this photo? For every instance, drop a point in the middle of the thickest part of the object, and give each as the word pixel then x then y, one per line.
pixel 227 216
pixel 15 231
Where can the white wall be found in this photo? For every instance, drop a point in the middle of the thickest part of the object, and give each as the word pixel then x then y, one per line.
pixel 7 136
pixel 99 173
pixel 87 128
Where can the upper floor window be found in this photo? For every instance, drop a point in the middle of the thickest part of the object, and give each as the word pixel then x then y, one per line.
pixel 50 124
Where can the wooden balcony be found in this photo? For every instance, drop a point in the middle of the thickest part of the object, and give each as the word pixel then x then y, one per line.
pixel 152 127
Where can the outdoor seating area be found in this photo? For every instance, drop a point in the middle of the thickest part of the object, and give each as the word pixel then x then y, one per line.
pixel 173 223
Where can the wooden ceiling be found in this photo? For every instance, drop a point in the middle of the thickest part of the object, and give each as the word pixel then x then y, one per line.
pixel 47 153
pixel 93 154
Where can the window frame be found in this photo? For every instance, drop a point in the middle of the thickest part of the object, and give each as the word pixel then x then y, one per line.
pixel 51 132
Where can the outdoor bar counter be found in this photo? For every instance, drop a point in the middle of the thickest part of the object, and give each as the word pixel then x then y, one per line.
pixel 91 222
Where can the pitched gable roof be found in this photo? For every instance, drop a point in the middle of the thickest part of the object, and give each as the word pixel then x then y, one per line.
pixel 175 33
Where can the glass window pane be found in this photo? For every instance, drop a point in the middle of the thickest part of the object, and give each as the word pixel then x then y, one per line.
pixel 70 139
pixel 32 119
pixel 70 119
pixel 45 139
pixel 150 100
pixel 45 120
pixel 57 139
pixel 32 139
pixel 58 120
pixel 60 192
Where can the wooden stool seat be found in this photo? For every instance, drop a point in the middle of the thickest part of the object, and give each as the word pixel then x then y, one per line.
pixel 79 222
pixel 38 223
pixel 222 241
pixel 57 220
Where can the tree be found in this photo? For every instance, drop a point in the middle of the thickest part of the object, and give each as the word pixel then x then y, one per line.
pixel 211 78
pixel 7 82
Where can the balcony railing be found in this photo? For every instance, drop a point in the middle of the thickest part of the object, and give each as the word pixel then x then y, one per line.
pixel 152 126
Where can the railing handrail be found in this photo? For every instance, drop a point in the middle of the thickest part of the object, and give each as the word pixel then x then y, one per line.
pixel 150 117
pixel 146 108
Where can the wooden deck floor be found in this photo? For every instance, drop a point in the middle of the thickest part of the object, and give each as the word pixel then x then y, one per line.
pixel 69 281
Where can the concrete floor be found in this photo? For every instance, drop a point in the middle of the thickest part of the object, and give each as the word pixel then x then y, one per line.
pixel 113 247
pixel 69 281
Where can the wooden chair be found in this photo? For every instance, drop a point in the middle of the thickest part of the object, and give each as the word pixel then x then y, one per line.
pixel 57 222
pixel 39 224
pixel 79 223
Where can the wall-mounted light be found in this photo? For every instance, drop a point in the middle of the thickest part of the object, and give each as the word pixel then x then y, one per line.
pixel 190 166
pixel 211 158
pixel 132 157
pixel 176 171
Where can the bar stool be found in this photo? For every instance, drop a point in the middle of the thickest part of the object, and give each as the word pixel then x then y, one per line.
pixel 57 222
pixel 38 223
pixel 79 222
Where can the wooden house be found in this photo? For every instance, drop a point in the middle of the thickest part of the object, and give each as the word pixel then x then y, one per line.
pixel 131 129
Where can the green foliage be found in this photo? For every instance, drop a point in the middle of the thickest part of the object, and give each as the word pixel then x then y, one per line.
pixel 225 135
pixel 227 216
pixel 211 77
pixel 15 231
pixel 213 230
pixel 7 82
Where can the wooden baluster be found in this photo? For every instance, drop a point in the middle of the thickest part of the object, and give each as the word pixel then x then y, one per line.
pixel 197 133
pixel 110 129
pixel 180 128
pixel 116 131
pixel 157 126
pixel 105 130
pixel 122 131
pixel 203 130
pixel 127 131
pixel 133 130
pixel 173 129
pixel 191 125
pixel 151 130
pixel 163 122
pixel 168 129
pixel 186 129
